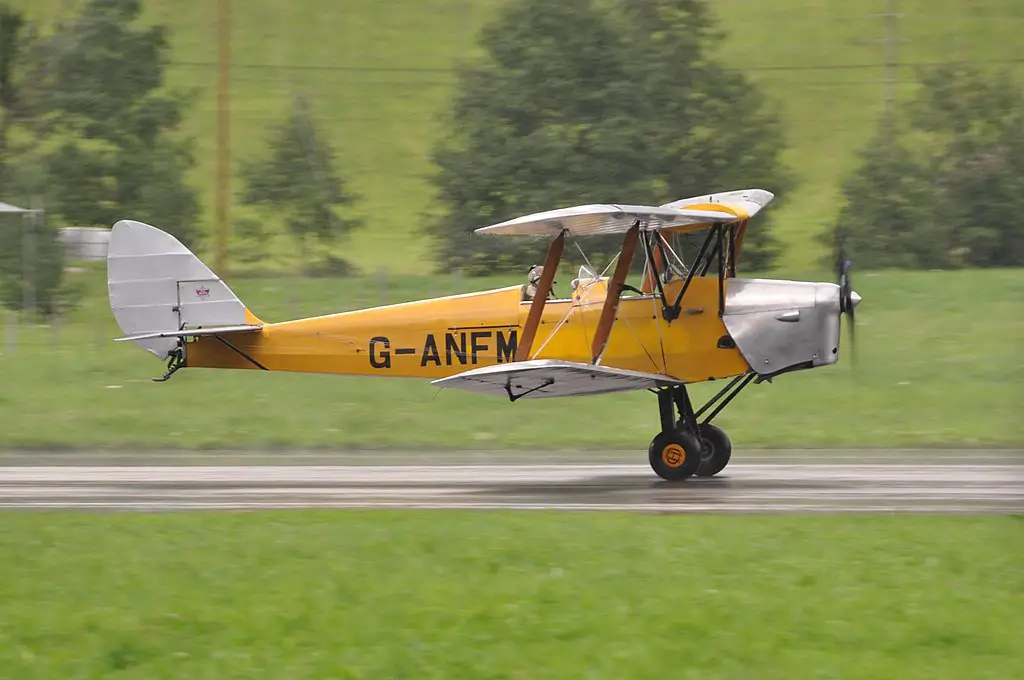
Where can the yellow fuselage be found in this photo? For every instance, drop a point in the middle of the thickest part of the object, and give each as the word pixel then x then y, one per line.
pixel 443 336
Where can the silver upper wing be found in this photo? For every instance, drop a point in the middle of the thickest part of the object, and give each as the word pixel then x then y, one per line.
pixel 541 378
pixel 602 219
pixel 749 201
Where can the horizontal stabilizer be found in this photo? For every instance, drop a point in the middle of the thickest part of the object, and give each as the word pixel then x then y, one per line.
pixel 601 219
pixel 190 332
pixel 542 378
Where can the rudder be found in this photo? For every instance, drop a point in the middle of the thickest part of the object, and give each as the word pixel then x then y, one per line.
pixel 156 284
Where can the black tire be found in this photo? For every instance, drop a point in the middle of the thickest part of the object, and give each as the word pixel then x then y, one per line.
pixel 674 455
pixel 716 450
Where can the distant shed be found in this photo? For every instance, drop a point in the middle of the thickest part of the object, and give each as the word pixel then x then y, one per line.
pixel 80 243
pixel 7 208
pixel 85 243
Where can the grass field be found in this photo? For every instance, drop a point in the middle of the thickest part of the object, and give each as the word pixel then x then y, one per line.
pixel 380 74
pixel 311 594
pixel 938 364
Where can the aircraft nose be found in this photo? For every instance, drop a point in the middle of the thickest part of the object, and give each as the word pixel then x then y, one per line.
pixel 854 298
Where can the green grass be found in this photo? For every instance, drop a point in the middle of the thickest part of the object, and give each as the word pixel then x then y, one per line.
pixel 380 75
pixel 938 365
pixel 312 594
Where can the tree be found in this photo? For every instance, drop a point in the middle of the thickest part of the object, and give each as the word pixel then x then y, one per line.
pixel 573 104
pixel 31 257
pixel 31 260
pixel 888 218
pixel 299 181
pixel 12 44
pixel 107 129
pixel 705 125
pixel 943 185
pixel 20 174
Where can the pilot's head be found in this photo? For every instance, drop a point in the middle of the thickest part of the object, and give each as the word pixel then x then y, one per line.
pixel 536 271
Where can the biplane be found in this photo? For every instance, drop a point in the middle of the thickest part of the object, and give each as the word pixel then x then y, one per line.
pixel 685 322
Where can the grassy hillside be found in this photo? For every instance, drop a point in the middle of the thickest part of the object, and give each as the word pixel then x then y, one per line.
pixel 380 74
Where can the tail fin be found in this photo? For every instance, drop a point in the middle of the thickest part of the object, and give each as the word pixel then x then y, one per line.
pixel 157 285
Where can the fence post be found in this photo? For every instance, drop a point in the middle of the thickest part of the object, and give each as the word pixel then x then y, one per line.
pixel 10 331
pixel 28 264
pixel 458 281
pixel 382 285
pixel 293 298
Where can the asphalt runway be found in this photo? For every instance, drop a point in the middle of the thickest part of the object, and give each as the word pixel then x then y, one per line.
pixel 797 481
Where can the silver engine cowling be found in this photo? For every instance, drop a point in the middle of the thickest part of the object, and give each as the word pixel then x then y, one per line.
pixel 781 326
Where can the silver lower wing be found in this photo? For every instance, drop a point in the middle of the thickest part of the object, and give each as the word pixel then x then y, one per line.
pixel 542 378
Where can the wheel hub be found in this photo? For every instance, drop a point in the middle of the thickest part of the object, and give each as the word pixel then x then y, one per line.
pixel 673 456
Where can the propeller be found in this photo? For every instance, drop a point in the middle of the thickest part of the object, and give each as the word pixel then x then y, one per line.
pixel 847 298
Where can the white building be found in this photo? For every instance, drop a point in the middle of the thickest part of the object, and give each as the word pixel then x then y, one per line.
pixel 85 243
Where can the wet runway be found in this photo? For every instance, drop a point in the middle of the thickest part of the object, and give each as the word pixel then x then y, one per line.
pixel 797 481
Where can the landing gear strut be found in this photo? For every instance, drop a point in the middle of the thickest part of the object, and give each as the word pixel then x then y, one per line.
pixel 687 446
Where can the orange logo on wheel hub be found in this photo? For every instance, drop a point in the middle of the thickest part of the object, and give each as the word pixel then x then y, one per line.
pixel 673 455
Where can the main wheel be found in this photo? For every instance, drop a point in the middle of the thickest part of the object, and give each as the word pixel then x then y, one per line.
pixel 716 450
pixel 674 455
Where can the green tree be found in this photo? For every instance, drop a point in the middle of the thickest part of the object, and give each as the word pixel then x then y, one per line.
pixel 943 184
pixel 32 262
pixel 31 257
pixel 12 47
pixel 298 180
pixel 889 210
pixel 702 125
pixel 108 130
pixel 573 104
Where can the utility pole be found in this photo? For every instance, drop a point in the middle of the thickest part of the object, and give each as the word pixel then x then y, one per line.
pixel 892 59
pixel 890 43
pixel 223 160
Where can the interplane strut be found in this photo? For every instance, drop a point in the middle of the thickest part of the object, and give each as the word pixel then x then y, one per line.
pixel 611 300
pixel 551 261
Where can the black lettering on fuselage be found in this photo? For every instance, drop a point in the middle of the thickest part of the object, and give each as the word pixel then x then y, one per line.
pixel 430 352
pixel 455 347
pixel 507 347
pixel 458 349
pixel 475 345
pixel 380 358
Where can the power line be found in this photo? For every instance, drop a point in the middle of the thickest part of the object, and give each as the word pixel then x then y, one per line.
pixel 891 41
pixel 452 70
pixel 323 67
